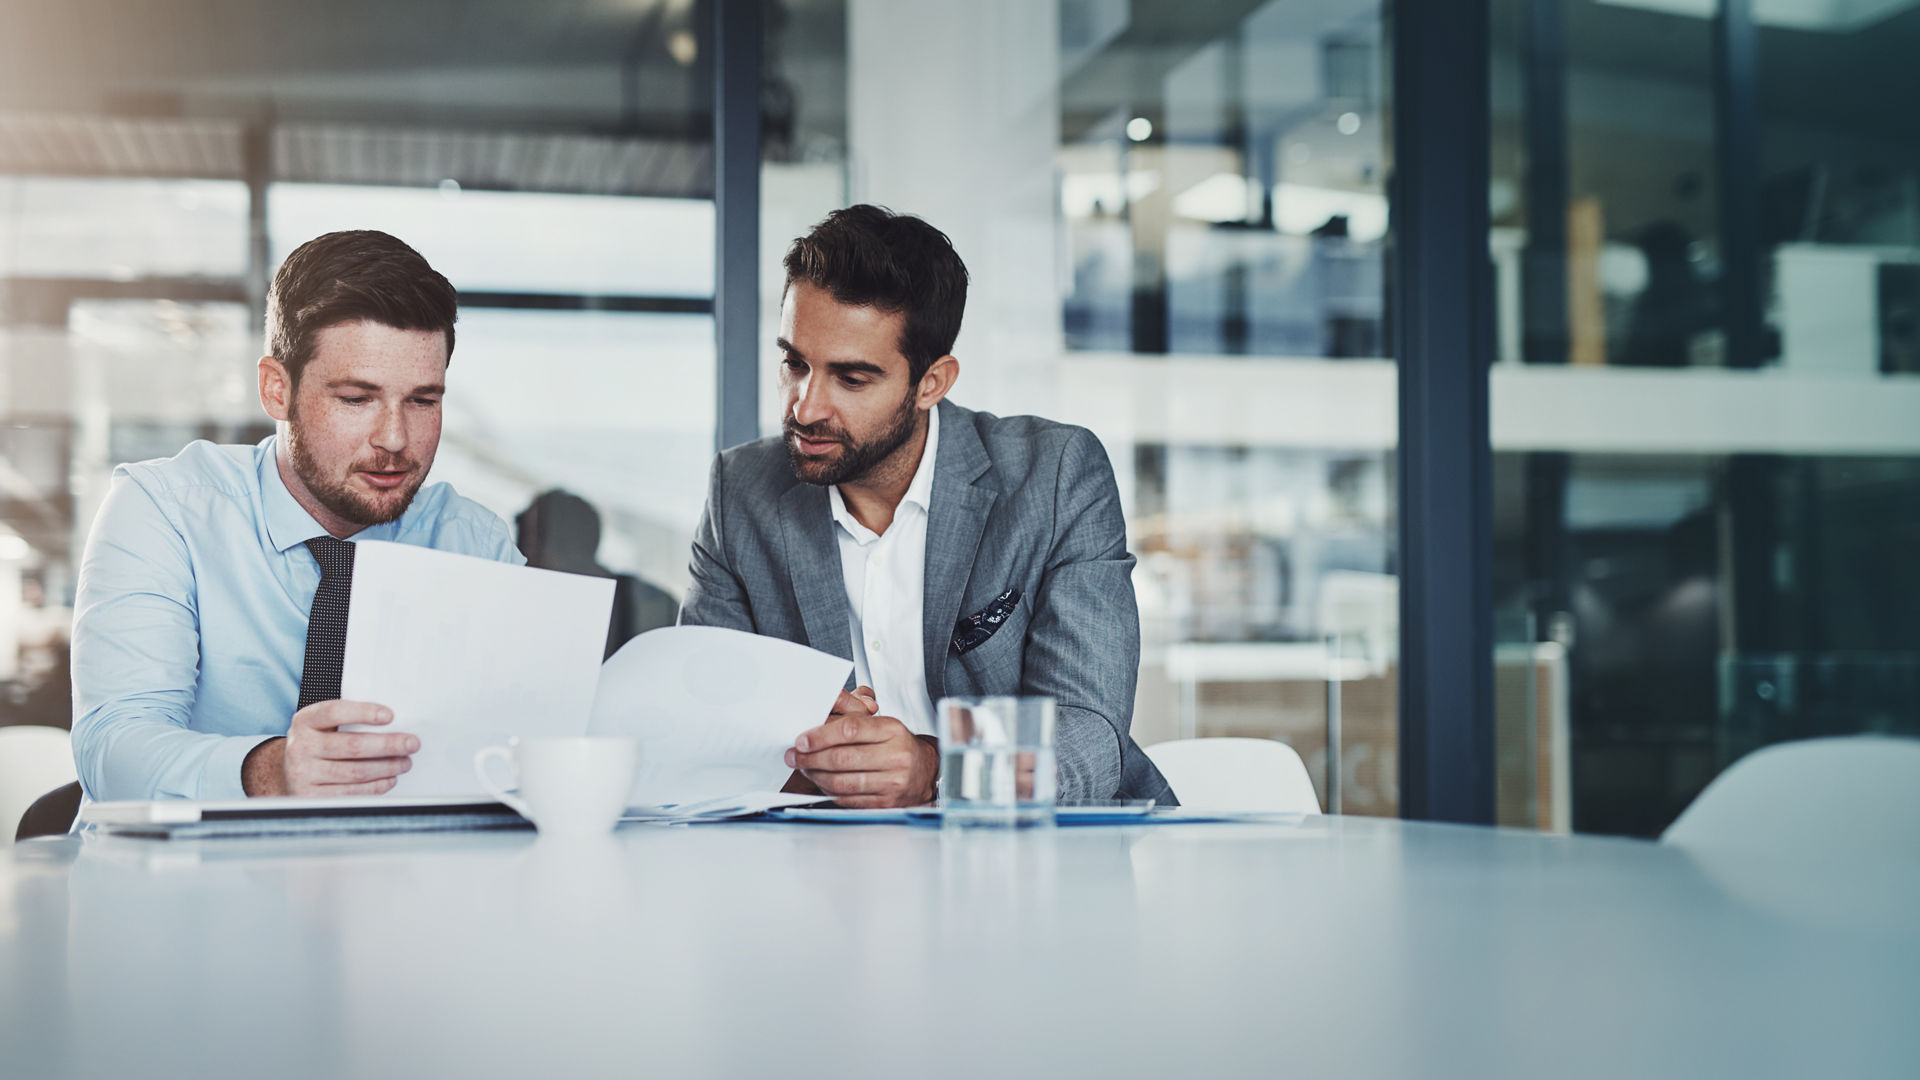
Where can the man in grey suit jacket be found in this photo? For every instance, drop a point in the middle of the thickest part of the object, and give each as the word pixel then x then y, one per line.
pixel 944 551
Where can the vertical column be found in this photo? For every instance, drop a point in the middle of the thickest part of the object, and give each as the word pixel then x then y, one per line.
pixel 954 115
pixel 1442 329
pixel 1545 290
pixel 736 201
pixel 1752 480
pixel 256 148
pixel 1737 133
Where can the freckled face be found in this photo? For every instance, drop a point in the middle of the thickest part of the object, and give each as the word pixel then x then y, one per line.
pixel 364 422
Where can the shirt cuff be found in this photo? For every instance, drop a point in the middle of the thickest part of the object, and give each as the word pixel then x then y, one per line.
pixel 220 776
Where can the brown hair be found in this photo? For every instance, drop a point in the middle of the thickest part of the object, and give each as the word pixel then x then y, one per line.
pixel 349 276
pixel 872 257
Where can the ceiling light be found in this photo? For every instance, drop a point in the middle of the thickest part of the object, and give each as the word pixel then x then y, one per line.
pixel 683 47
pixel 1139 129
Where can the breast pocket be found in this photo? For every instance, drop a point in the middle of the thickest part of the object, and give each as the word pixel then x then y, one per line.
pixel 989 641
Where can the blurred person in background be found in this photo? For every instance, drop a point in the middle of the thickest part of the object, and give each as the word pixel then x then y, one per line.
pixel 561 531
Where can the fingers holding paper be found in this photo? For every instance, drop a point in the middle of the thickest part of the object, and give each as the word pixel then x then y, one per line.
pixel 860 700
pixel 866 761
pixel 320 759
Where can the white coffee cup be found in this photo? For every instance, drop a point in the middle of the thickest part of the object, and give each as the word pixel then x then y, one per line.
pixel 568 786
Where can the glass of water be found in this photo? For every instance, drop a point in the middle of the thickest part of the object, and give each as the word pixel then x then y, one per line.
pixel 996 761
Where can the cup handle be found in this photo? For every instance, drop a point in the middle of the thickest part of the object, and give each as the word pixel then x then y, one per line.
pixel 480 760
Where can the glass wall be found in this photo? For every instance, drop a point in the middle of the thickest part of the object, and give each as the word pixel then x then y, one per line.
pixel 1700 546
pixel 153 173
pixel 1175 218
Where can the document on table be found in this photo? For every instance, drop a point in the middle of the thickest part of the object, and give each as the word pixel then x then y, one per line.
pixel 715 710
pixel 724 808
pixel 469 652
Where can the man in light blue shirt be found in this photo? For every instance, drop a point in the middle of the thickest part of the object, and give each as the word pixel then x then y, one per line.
pixel 201 627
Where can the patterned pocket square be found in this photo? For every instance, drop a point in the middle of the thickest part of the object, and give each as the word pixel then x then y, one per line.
pixel 972 631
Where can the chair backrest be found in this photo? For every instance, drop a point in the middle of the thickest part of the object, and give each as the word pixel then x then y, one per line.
pixel 1853 797
pixel 33 761
pixel 1236 774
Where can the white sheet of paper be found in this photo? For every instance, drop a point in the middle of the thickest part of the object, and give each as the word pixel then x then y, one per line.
pixel 715 710
pixel 469 652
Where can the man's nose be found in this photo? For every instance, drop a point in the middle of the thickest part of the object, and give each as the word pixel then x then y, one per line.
pixel 391 435
pixel 810 402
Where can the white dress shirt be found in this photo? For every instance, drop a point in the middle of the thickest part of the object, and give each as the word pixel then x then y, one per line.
pixel 886 594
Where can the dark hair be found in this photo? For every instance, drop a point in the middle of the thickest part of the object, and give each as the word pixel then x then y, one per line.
pixel 348 276
pixel 873 257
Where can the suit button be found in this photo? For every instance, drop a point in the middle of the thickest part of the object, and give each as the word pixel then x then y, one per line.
pixel 875 644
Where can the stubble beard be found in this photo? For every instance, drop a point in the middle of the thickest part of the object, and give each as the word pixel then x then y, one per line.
pixel 856 460
pixel 337 495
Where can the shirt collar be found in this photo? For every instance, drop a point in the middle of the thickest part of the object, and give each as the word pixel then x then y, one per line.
pixel 288 523
pixel 919 489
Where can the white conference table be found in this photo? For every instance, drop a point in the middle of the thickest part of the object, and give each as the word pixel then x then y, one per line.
pixel 1333 947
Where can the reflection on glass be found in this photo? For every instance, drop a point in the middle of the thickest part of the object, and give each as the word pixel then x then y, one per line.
pixel 1695 563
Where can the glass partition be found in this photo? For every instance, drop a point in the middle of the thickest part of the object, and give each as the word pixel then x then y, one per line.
pixel 1699 553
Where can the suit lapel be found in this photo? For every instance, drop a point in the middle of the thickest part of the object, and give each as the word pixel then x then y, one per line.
pixel 813 563
pixel 955 521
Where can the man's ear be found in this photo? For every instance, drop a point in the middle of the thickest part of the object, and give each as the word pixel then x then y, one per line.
pixel 938 380
pixel 276 389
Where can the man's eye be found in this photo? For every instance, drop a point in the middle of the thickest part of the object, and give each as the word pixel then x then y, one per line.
pixel 356 400
pixel 793 365
pixel 427 401
pixel 853 384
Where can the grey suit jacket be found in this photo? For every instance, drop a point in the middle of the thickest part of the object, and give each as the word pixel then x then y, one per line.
pixel 1018 503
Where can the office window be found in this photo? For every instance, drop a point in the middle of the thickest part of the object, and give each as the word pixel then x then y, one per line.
pixel 553 161
pixel 121 229
pixel 1699 545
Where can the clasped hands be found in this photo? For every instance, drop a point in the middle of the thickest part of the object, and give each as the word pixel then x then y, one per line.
pixel 863 760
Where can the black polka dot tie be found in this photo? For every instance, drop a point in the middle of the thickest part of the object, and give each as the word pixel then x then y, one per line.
pixel 327 621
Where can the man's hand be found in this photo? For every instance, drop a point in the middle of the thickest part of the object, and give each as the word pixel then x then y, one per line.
pixel 316 758
pixel 861 760
pixel 861 702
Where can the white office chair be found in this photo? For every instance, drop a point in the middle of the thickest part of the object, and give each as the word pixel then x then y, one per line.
pixel 33 761
pixel 1236 774
pixel 1848 798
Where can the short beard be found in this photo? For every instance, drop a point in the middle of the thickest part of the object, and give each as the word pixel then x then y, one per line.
pixel 339 499
pixel 856 459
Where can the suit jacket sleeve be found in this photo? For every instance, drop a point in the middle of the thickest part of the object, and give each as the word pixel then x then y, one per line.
pixel 716 596
pixel 1083 643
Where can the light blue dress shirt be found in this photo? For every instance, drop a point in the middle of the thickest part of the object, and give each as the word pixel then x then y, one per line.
pixel 190 627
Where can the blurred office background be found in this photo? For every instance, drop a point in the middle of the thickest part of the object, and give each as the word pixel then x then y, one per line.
pixel 1705 354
